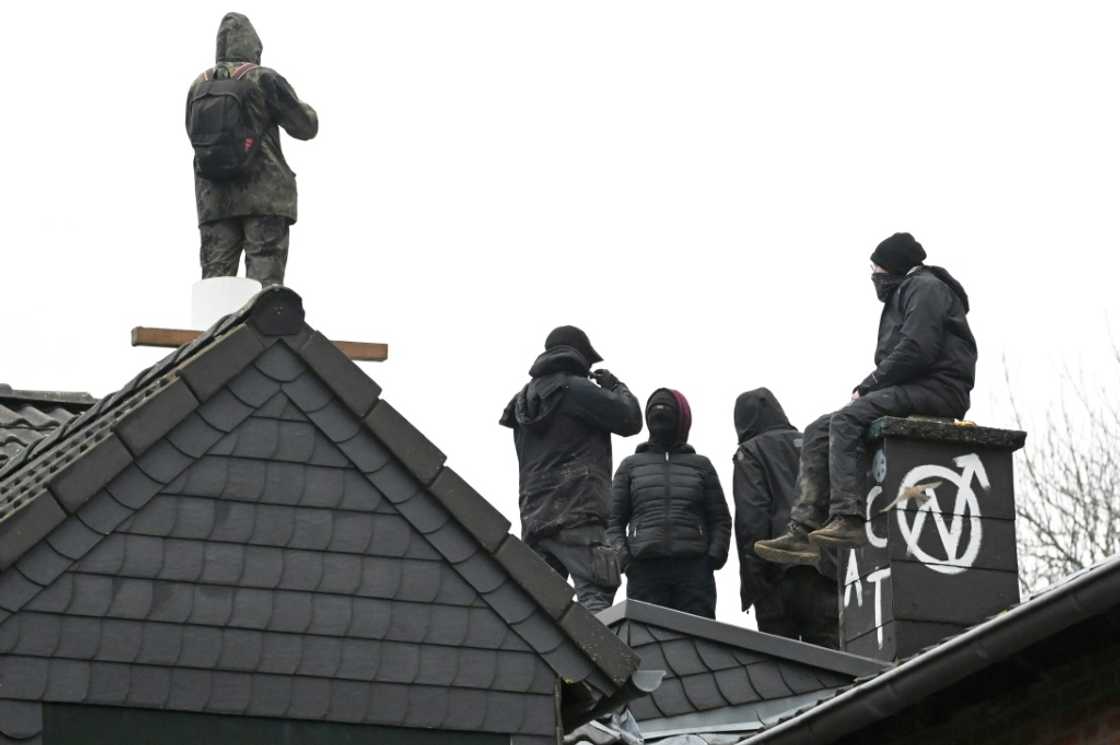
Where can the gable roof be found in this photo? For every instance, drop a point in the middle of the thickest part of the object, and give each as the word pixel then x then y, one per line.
pixel 1085 595
pixel 28 416
pixel 723 678
pixel 85 499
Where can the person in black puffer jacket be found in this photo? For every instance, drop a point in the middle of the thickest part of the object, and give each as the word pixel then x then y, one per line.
pixel 669 521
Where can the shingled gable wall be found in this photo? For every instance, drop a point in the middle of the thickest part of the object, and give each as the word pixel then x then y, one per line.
pixel 719 675
pixel 248 529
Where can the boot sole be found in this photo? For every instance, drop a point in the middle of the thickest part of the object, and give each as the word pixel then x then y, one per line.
pixel 835 542
pixel 778 556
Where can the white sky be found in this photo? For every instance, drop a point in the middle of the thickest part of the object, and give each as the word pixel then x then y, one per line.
pixel 698 185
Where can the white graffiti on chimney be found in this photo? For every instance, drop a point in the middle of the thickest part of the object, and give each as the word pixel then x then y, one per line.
pixel 874 540
pixel 876 578
pixel 853 584
pixel 956 561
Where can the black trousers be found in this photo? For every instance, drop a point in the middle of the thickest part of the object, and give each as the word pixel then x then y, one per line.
pixel 803 605
pixel 263 239
pixel 684 584
pixel 834 464
pixel 569 553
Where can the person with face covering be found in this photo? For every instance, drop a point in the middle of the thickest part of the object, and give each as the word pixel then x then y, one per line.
pixel 925 363
pixel 669 521
pixel 562 422
pixel 250 210
pixel 797 602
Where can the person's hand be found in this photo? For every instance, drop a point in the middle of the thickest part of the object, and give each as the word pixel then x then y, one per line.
pixel 605 378
pixel 855 395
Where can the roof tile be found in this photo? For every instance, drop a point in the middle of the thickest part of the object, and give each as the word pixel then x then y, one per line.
pixel 224 411
pixel 92 470
pixel 212 369
pixel 42 564
pixel 271 696
pixel 279 363
pixel 151 687
pixel 341 375
pixel 194 436
pixel 480 518
pixel 423 459
pixel 146 424
pixel 25 528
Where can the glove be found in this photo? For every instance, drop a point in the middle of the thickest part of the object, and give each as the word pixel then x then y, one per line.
pixel 605 379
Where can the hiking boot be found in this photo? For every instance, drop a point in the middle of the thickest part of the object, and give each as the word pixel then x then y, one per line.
pixel 842 530
pixel 792 547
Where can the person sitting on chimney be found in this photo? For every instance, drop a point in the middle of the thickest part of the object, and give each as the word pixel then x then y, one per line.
pixel 925 364
pixel 669 520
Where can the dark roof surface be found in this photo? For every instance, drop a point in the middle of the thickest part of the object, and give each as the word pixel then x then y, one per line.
pixel 1085 595
pixel 722 677
pixel 27 416
pixel 248 528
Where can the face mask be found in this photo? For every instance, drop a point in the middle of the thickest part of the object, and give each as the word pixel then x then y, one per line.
pixel 886 284
pixel 662 424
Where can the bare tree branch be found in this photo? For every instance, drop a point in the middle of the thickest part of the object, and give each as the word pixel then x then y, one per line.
pixel 1069 480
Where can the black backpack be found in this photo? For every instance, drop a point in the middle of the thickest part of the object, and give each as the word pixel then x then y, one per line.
pixel 219 123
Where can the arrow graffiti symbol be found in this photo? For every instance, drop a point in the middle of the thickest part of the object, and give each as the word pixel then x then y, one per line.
pixel 949 531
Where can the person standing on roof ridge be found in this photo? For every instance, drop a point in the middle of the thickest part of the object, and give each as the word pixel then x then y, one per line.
pixel 669 521
pixel 562 421
pixel 245 193
pixel 925 364
pixel 797 602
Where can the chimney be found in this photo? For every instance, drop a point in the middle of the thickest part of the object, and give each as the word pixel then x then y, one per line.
pixel 941 552
pixel 218 296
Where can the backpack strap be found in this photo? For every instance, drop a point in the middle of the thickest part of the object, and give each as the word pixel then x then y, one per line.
pixel 243 69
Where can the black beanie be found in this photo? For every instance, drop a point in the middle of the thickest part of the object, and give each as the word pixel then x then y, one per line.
pixel 572 336
pixel 899 254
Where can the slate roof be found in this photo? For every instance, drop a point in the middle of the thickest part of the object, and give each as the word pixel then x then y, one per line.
pixel 247 527
pixel 27 416
pixel 721 677
pixel 1091 593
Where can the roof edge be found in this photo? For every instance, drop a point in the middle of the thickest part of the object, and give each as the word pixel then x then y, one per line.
pixel 990 642
pixel 756 641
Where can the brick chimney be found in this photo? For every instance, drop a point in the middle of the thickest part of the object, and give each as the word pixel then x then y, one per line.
pixel 941 552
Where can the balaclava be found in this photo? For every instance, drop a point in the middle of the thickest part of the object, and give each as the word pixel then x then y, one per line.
pixel 669 418
pixel 898 255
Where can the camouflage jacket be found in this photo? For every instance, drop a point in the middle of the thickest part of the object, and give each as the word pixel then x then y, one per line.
pixel 269 186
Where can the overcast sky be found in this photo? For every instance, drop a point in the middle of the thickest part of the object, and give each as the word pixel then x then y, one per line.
pixel 697 184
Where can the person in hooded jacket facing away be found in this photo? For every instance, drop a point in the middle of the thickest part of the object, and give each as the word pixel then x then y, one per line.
pixel 925 364
pixel 797 602
pixel 562 422
pixel 669 520
pixel 246 196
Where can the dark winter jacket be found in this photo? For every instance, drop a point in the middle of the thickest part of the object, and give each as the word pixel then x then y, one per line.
pixel 668 503
pixel 268 187
pixel 765 488
pixel 562 424
pixel 924 339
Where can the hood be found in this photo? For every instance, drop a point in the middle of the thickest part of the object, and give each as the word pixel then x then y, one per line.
pixel 758 411
pixel 238 40
pixel 677 400
pixel 943 274
pixel 534 404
